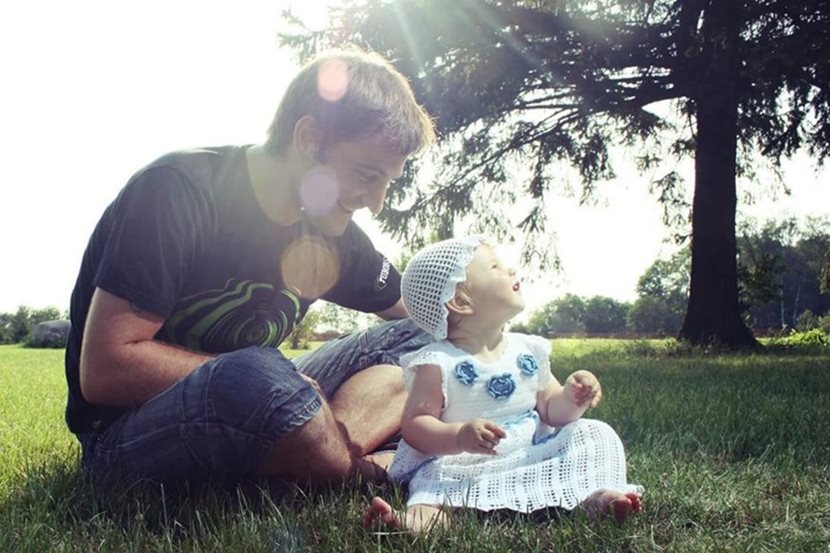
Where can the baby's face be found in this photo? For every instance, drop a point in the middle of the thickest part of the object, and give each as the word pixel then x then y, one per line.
pixel 494 287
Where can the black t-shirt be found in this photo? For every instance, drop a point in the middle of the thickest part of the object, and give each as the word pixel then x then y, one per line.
pixel 186 239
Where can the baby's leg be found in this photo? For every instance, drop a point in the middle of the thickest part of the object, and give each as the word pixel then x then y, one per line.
pixel 418 518
pixel 611 502
pixel 423 518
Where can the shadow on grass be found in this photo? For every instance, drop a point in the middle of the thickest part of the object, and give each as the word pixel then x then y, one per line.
pixel 55 503
pixel 56 507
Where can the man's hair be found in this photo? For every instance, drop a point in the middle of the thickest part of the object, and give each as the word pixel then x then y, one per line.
pixel 352 95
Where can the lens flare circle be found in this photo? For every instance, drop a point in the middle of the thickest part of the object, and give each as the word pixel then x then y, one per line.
pixel 310 266
pixel 332 80
pixel 318 191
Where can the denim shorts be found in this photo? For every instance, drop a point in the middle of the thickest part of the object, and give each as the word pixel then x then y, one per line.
pixel 221 420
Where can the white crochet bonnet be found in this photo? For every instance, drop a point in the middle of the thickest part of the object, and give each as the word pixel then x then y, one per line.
pixel 430 278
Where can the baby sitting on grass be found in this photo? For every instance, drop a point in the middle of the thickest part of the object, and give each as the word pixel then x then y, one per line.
pixel 486 426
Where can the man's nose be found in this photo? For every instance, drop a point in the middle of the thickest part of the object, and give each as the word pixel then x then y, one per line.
pixel 374 197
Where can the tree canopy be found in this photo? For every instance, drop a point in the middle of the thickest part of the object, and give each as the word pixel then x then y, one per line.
pixel 520 88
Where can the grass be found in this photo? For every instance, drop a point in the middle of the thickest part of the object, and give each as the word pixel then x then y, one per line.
pixel 733 452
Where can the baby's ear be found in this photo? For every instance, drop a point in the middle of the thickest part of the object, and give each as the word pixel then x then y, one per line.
pixel 461 303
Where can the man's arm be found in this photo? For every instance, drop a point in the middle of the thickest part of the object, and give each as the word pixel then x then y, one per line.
pixel 397 311
pixel 121 364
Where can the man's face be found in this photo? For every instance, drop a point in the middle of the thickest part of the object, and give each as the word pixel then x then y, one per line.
pixel 349 176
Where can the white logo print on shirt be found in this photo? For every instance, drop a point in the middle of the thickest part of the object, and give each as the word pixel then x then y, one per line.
pixel 383 276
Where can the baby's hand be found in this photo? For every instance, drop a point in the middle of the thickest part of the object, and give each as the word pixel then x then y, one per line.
pixel 583 387
pixel 480 436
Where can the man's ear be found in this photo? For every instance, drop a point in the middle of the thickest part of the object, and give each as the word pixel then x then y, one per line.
pixel 308 138
pixel 461 303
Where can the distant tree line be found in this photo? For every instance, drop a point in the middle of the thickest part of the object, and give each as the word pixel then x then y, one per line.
pixel 784 283
pixel 783 271
pixel 17 327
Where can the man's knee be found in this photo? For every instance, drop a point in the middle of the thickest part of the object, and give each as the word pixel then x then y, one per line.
pixel 400 337
pixel 238 405
pixel 258 390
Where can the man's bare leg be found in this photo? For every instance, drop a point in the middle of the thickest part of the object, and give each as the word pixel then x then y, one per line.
pixel 334 444
pixel 418 518
pixel 370 405
pixel 317 452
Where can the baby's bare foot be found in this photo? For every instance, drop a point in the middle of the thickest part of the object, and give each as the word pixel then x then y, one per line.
pixel 380 513
pixel 610 502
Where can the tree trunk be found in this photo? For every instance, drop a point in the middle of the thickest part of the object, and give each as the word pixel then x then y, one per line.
pixel 797 300
pixel 781 308
pixel 713 312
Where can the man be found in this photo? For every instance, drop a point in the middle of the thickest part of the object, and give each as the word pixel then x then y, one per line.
pixel 206 261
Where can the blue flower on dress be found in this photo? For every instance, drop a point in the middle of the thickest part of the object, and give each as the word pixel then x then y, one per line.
pixel 501 387
pixel 466 373
pixel 527 364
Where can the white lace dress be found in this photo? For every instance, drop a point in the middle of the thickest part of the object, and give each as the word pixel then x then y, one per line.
pixel 536 466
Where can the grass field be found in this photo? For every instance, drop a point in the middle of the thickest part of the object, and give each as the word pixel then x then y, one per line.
pixel 734 453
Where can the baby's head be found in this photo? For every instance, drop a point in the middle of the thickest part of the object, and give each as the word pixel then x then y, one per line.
pixel 450 280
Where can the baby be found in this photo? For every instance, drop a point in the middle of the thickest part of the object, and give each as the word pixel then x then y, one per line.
pixel 486 426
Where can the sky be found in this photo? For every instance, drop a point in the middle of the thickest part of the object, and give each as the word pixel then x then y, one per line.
pixel 94 89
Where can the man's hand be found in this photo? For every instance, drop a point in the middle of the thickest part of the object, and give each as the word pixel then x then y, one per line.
pixel 314 384
pixel 583 387
pixel 480 436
